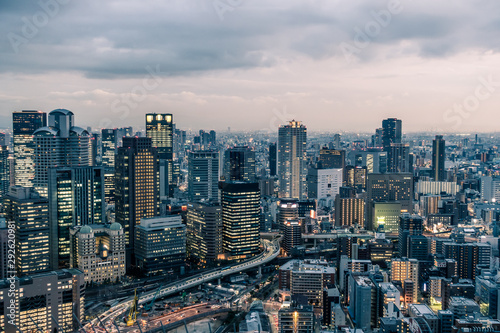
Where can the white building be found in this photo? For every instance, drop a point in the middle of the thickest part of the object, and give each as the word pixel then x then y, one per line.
pixel 98 250
pixel 490 188
pixel 324 183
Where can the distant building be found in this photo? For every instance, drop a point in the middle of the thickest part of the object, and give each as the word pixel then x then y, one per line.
pixel 406 269
pixel 160 245
pixel 292 165
pixel 324 183
pixel 292 231
pixel 438 158
pixel 203 175
pixel 98 250
pixel 239 164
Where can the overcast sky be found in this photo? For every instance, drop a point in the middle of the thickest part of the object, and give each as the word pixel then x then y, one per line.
pixel 254 64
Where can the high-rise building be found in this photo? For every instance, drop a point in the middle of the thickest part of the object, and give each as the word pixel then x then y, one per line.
pixel 349 211
pixel 331 158
pixel 76 197
pixel 298 318
pixel 160 245
pixel 44 302
pixel 374 159
pixel 160 128
pixel 468 256
pixel 403 269
pixel 98 250
pixel 438 158
pixel 29 212
pixel 490 188
pixel 362 301
pixel 4 171
pixel 385 216
pixel 391 132
pixel 240 204
pixel 288 209
pixel 24 125
pixel 136 186
pixel 203 175
pixel 239 164
pixel 4 249
pixel 292 165
pixel 61 144
pixel 324 183
pixel 399 158
pixel 409 225
pixel 109 145
pixel 204 232
pixel 395 187
pixel 355 176
pixel 273 162
pixel 292 232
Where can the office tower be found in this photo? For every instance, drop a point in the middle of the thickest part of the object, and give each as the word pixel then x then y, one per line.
pixel 76 197
pixel 288 209
pixel 362 301
pixel 391 132
pixel 349 211
pixel 323 183
pixel 399 158
pixel 203 175
pixel 29 212
pixel 4 249
pixel 292 235
pixel 98 250
pixel 409 225
pixel 240 203
pixel 60 144
pixel 204 233
pixel 292 165
pixel 4 171
pixel 336 141
pixel 385 216
pixel 179 143
pixel 109 145
pixel 273 159
pixel 24 125
pixel 44 302
pixel 3 138
pixel 377 140
pixel 446 319
pixel 307 207
pixel 417 247
pixel 332 158
pixel 266 186
pixel 389 188
pixel 308 279
pixel 239 164
pixel 160 245
pixel 355 176
pixel 438 158
pixel 490 188
pixel 374 159
pixel 109 186
pixel 468 256
pixel 298 318
pixel 381 250
pixel 136 186
pixel 160 128
pixel 403 269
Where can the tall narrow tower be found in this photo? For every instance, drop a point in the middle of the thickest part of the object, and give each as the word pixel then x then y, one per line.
pixel 438 157
pixel 292 166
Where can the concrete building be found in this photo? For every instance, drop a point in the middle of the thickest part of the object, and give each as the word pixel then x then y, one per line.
pixel 324 183
pixel 98 250
pixel 403 269
pixel 239 164
pixel 160 245
pixel 297 318
pixel 46 301
pixel 425 312
pixel 203 175
pixel 362 296
pixel 292 164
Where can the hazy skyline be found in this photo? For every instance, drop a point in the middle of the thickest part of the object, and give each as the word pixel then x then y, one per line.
pixel 249 65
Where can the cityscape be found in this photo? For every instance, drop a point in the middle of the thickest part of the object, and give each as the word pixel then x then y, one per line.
pixel 255 167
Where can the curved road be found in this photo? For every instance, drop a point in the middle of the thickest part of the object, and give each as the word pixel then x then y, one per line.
pixel 272 249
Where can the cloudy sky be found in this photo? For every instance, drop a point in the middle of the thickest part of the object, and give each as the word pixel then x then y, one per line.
pixel 254 64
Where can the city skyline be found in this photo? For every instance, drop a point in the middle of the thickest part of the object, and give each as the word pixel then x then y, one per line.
pixel 312 62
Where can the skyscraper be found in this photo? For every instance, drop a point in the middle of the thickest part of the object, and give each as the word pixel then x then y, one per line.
pixel 409 225
pixel 136 186
pixel 438 157
pixel 203 175
pixel 57 145
pixel 391 132
pixel 239 164
pixel 331 158
pixel 4 171
pixel 109 145
pixel 240 204
pixel 403 269
pixel 272 159
pixel 204 232
pixel 76 198
pixel 399 157
pixel 24 124
pixel 160 128
pixel 29 212
pixel 292 165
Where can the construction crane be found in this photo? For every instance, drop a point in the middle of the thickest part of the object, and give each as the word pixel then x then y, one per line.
pixel 132 314
pixel 150 305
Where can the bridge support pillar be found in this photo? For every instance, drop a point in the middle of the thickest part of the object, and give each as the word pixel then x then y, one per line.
pixel 259 275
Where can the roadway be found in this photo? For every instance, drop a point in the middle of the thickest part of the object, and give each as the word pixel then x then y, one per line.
pixel 272 250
